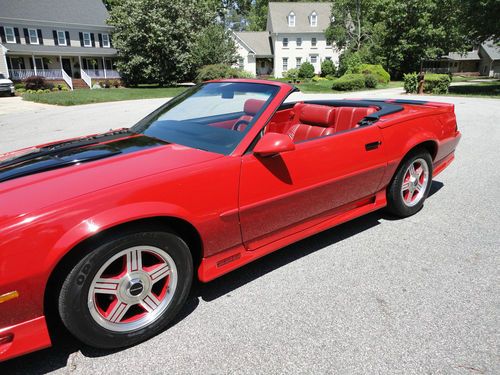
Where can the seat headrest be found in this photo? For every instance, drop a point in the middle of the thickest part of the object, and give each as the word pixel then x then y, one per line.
pixel 252 106
pixel 319 115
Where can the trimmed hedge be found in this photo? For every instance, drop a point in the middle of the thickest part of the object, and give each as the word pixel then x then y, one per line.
pixel 328 68
pixel 306 70
pixel 218 71
pixel 410 83
pixel 371 81
pixel 437 83
pixel 349 82
pixel 376 70
pixel 292 74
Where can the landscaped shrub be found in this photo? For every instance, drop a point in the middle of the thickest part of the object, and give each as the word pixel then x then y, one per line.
pixel 318 79
pixel 410 82
pixel 371 81
pixel 349 62
pixel 349 82
pixel 218 71
pixel 306 70
pixel 376 70
pixel 328 68
pixel 331 77
pixel 19 85
pixel 35 83
pixel 292 75
pixel 437 83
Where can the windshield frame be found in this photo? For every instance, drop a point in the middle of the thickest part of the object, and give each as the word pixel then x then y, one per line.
pixel 271 103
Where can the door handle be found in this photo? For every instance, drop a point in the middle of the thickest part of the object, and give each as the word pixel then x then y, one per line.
pixel 372 145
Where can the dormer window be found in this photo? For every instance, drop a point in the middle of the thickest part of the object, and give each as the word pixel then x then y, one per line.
pixel 313 19
pixel 291 19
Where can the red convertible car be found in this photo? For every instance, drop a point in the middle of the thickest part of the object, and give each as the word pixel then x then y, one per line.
pixel 109 231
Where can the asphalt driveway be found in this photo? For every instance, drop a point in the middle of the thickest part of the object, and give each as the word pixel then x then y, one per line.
pixel 376 295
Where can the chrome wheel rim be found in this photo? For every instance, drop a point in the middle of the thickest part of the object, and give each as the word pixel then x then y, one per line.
pixel 132 289
pixel 415 181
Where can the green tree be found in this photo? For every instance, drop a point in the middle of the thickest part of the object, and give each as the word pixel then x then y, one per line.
pixel 214 45
pixel 155 38
pixel 482 19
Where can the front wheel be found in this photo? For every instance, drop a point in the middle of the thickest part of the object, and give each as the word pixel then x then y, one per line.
pixel 411 184
pixel 127 289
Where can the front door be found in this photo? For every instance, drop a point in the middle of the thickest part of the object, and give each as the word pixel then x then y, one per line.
pixel 289 192
pixel 66 63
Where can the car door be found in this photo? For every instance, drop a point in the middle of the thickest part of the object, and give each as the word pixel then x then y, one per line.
pixel 285 193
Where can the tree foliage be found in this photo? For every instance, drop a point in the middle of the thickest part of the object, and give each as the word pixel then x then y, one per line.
pixel 214 45
pixel 155 38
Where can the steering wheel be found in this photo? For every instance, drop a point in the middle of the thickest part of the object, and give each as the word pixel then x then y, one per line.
pixel 239 123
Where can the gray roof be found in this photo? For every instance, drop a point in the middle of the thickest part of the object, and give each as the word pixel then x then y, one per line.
pixel 58 50
pixel 278 17
pixel 258 41
pixel 81 12
pixel 463 56
pixel 492 50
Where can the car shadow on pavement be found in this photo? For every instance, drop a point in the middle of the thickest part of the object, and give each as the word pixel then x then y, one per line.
pixel 64 345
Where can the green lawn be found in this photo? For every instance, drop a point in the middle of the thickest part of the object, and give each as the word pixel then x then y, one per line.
pixel 103 95
pixel 489 89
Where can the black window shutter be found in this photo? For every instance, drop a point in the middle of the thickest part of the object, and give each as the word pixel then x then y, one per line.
pixel 16 33
pixel 31 63
pixel 40 36
pixel 2 34
pixel 81 39
pixel 92 37
pixel 100 39
pixel 26 36
pixel 68 40
pixel 110 40
pixel 56 39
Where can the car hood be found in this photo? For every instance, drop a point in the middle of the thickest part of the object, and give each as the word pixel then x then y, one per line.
pixel 4 80
pixel 41 176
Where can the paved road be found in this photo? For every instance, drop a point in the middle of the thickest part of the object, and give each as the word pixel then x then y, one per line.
pixel 376 295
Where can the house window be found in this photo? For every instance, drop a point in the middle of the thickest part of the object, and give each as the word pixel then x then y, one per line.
pixel 314 59
pixel 61 38
pixel 241 63
pixel 285 42
pixel 9 35
pixel 33 36
pixel 299 42
pixel 328 57
pixel 105 40
pixel 285 64
pixel 87 42
pixel 314 19
pixel 291 19
pixel 314 42
pixel 298 62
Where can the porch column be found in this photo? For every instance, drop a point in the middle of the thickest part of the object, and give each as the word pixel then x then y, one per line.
pixel 34 62
pixel 81 67
pixel 104 66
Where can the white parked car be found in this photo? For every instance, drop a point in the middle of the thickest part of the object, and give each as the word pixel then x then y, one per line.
pixel 6 85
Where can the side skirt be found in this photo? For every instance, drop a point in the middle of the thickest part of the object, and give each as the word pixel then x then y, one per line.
pixel 229 260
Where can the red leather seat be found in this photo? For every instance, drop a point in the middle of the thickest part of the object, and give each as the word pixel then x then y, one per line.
pixel 348 117
pixel 313 121
pixel 251 108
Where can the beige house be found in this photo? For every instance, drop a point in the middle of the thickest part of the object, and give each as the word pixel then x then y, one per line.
pixel 295 33
pixel 58 39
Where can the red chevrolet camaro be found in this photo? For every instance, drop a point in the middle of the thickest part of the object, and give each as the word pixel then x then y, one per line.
pixel 109 231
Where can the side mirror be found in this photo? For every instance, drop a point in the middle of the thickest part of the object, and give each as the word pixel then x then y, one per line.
pixel 272 144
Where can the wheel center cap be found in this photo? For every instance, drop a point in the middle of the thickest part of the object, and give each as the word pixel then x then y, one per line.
pixel 136 287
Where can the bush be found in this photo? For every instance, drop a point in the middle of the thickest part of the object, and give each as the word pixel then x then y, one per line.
pixel 371 81
pixel 328 68
pixel 349 62
pixel 106 84
pixel 219 71
pixel 35 83
pixel 318 79
pixel 19 85
pixel 306 70
pixel 437 83
pixel 331 77
pixel 377 70
pixel 410 83
pixel 292 75
pixel 349 82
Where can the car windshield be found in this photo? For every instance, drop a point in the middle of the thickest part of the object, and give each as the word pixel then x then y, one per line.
pixel 212 116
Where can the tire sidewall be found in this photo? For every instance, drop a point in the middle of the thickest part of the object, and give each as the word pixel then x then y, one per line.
pixel 73 299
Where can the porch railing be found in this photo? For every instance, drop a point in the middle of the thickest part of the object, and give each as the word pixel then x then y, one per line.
pixel 86 78
pixel 67 79
pixel 102 73
pixel 20 74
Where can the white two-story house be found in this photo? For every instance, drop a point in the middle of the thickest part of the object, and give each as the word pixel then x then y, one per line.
pixel 58 39
pixel 295 34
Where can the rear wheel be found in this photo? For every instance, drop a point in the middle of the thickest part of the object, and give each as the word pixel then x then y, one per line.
pixel 411 184
pixel 127 289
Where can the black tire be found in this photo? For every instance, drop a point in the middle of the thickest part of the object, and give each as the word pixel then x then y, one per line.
pixel 395 202
pixel 73 298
